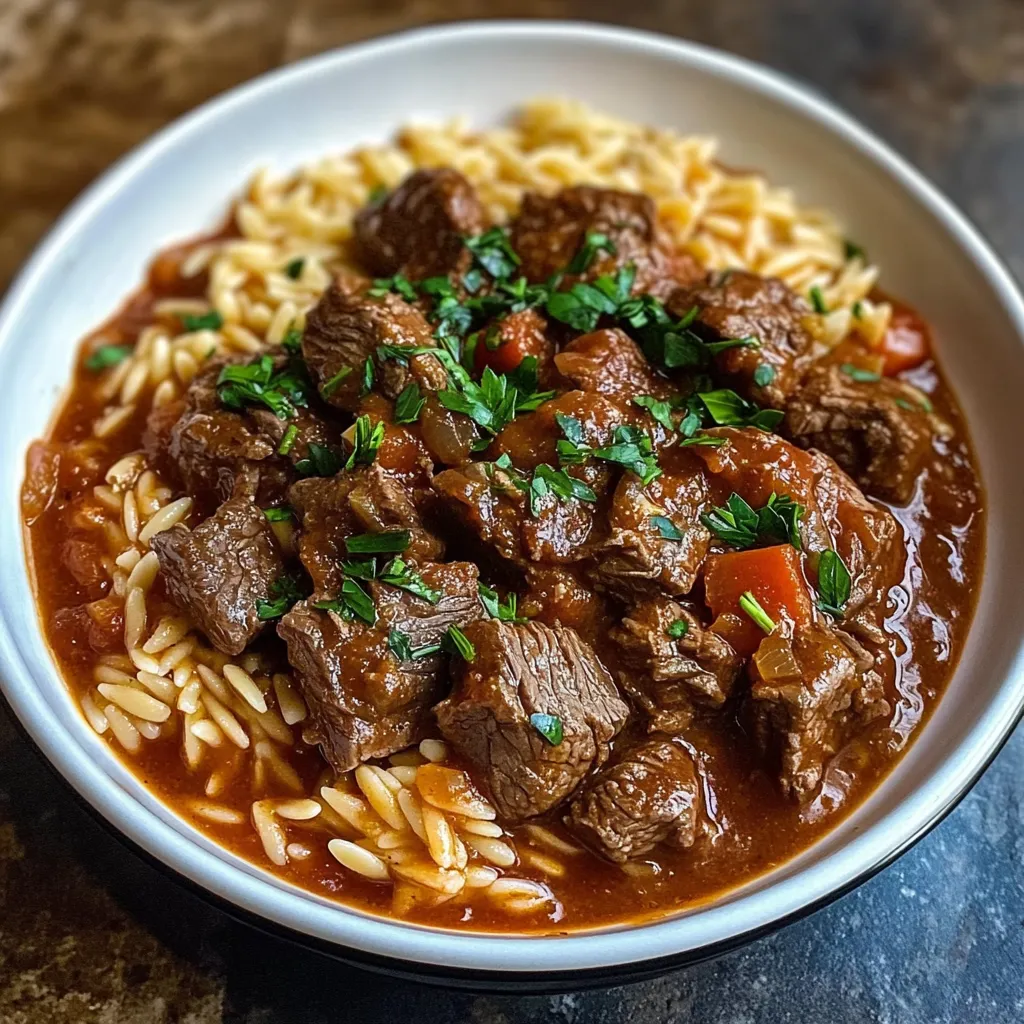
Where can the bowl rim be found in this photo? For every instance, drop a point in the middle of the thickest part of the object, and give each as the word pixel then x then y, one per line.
pixel 652 945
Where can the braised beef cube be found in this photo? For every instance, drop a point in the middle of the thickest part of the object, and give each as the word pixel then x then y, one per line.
pixel 876 430
pixel 418 228
pixel 810 695
pixel 332 509
pixel 836 516
pixel 657 541
pixel 344 330
pixel 550 230
pixel 739 304
pixel 557 596
pixel 672 664
pixel 610 362
pixel 213 449
pixel 219 572
pixel 533 712
pixel 364 699
pixel 310 428
pixel 488 503
pixel 651 795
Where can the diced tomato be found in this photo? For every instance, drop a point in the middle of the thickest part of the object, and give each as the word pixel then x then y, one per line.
pixel 906 343
pixel 775 579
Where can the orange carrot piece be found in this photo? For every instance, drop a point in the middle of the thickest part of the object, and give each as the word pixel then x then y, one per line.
pixel 772 575
pixel 905 344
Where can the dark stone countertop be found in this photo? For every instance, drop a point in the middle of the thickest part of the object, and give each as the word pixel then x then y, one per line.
pixel 88 933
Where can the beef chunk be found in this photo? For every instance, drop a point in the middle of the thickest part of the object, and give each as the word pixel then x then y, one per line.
pixel 217 572
pixel 330 509
pixel 738 304
pixel 801 717
pixel 365 701
pixel 876 430
pixel 344 330
pixel 524 670
pixel 216 452
pixel 417 230
pixel 650 795
pixel 550 230
pixel 837 515
pixel 637 557
pixel 497 512
pixel 611 363
pixel 667 676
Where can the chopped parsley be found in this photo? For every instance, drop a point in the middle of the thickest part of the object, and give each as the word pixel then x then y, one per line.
pixel 107 356
pixel 594 243
pixel 631 448
pixel 409 404
pixel 666 528
pixel 834 583
pixel 330 386
pixel 549 726
pixel 550 481
pixel 506 610
pixel 398 574
pixel 377 193
pixel 258 383
pixel 402 648
pixel 352 603
pixel 399 284
pixel 851 250
pixel 741 526
pixel 366 442
pixel 494 252
pixel 388 542
pixel 292 341
pixel 456 642
pixel 288 439
pixel 749 604
pixel 211 321
pixel 660 410
pixel 283 593
pixel 368 377
pixel 294 267
pixel 764 374
pixel 728 409
pixel 320 460
pixel 818 300
pixel 703 441
pixel 678 629
pixel 860 375
pixel 280 514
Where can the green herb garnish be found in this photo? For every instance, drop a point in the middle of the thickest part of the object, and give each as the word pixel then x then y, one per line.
pixel 398 574
pixel 258 383
pixel 388 542
pixel 660 410
pixel 859 375
pixel 284 592
pixel 549 726
pixel 834 583
pixel 368 437
pixel 728 409
pixel 294 267
pixel 288 439
pixel 211 321
pixel 320 460
pixel 678 629
pixel 399 284
pixel 631 448
pixel 409 404
pixel 818 300
pixel 666 528
pixel 402 647
pixel 106 356
pixel 750 605
pixel 456 642
pixel 332 385
pixel 764 375
pixel 494 252
pixel 280 514
pixel 594 243
pixel 506 610
pixel 741 526
pixel 851 250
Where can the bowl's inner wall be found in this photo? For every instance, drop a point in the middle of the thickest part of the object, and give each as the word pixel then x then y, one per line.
pixel 181 185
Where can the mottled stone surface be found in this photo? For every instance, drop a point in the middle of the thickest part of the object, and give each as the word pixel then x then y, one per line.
pixel 90 934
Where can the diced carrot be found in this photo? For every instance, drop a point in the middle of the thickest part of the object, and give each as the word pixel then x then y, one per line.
pixel 905 344
pixel 503 359
pixel 400 450
pixel 772 575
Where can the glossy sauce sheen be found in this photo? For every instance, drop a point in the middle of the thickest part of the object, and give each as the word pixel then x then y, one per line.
pixel 753 827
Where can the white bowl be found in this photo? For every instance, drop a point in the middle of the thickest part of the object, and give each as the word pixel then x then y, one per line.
pixel 179 183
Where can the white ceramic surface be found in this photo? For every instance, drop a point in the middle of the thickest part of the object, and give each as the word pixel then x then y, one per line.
pixel 179 183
